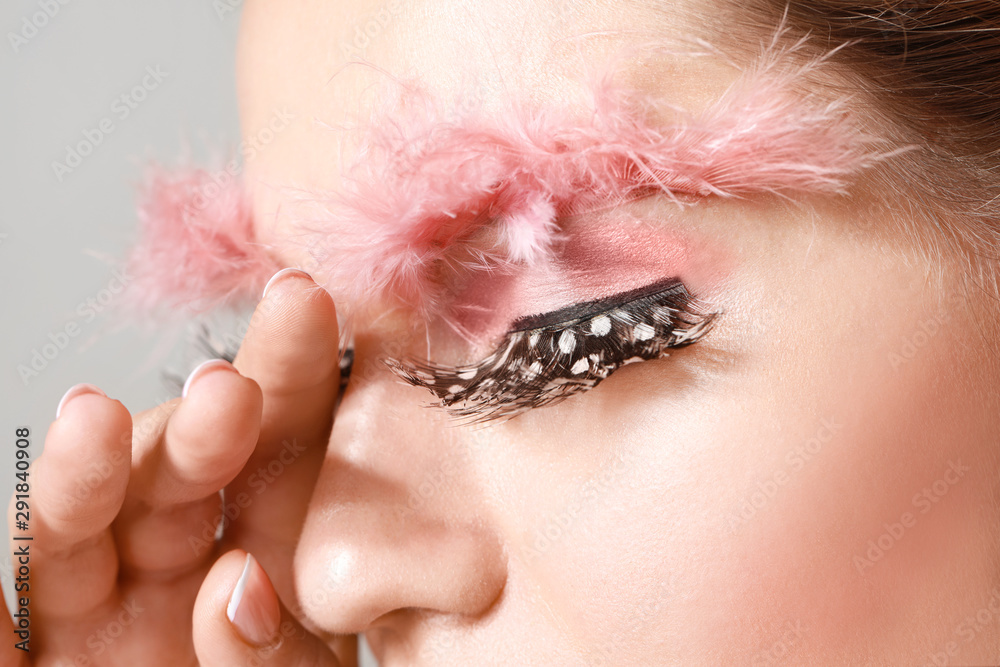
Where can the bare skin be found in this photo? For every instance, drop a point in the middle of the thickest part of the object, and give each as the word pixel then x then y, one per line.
pixel 816 483
pixel 137 553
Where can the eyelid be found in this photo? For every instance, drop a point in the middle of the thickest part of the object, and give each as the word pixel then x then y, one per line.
pixel 573 350
pixel 579 311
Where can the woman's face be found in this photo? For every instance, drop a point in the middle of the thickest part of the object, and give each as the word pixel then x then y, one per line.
pixel 815 478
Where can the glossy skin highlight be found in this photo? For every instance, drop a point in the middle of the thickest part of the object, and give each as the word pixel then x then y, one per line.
pixel 612 528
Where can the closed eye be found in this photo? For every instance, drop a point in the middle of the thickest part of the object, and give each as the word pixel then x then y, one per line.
pixel 549 357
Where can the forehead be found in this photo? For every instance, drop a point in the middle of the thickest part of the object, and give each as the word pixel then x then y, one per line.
pixel 514 92
pixel 324 59
pixel 324 62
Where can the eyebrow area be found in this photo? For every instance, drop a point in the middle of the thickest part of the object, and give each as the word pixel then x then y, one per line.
pixel 433 186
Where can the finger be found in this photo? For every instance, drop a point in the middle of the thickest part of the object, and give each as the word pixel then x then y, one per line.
pixel 238 620
pixel 185 454
pixel 77 488
pixel 203 442
pixel 291 350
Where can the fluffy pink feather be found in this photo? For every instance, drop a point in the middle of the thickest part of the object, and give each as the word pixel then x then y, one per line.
pixel 196 250
pixel 427 181
pixel 432 189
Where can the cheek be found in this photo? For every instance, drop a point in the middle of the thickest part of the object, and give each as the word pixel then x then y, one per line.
pixel 785 493
pixel 844 507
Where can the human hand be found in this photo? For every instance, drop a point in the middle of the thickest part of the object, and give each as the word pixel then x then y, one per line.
pixel 125 566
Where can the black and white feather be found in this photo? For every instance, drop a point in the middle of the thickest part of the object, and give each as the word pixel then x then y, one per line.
pixel 546 358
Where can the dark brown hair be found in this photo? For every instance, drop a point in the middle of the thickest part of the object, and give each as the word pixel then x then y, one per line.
pixel 929 76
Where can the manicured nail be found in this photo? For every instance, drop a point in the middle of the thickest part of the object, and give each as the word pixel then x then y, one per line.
pixel 205 367
pixel 253 607
pixel 277 276
pixel 76 390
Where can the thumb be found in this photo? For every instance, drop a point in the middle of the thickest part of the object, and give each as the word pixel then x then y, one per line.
pixel 239 620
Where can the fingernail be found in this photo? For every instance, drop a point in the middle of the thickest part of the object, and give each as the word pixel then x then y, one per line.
pixel 76 390
pixel 253 607
pixel 202 368
pixel 277 276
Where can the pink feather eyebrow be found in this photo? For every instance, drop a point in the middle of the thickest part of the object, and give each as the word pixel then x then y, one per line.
pixel 426 181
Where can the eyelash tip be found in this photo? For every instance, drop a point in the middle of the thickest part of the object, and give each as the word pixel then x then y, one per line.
pixel 544 365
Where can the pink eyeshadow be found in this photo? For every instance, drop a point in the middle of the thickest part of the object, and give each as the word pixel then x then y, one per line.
pixel 604 258
pixel 432 187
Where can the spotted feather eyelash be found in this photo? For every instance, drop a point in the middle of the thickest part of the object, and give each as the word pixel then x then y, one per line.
pixel 209 344
pixel 547 358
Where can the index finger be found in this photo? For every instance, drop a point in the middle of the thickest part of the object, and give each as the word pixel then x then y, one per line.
pixel 292 351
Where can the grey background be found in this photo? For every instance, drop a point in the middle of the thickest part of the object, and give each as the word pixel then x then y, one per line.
pixel 58 239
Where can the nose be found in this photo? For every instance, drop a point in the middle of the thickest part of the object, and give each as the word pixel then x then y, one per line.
pixel 400 520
